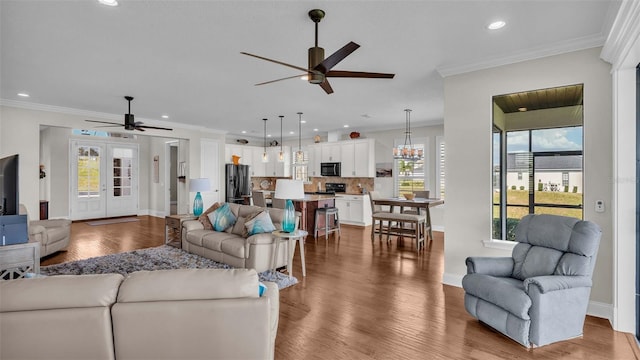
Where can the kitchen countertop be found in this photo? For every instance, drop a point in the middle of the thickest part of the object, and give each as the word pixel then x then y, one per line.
pixel 309 197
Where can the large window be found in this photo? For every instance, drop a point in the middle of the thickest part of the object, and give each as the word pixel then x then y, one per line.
pixel 537 157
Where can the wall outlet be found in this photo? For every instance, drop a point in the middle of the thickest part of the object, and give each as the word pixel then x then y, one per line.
pixel 599 206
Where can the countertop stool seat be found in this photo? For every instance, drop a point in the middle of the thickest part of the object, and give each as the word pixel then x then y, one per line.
pixel 331 222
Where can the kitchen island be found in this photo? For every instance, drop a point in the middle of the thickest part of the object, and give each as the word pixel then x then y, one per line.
pixel 307 207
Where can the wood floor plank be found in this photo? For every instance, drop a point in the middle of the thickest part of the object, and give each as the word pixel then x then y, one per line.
pixel 370 301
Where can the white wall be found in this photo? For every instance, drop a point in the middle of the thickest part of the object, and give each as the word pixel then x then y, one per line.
pixel 20 133
pixel 468 107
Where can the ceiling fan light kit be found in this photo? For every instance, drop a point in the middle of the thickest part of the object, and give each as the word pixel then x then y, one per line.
pixel 129 121
pixel 320 68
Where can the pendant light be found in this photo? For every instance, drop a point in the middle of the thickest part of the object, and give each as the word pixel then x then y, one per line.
pixel 407 151
pixel 265 156
pixel 281 154
pixel 299 159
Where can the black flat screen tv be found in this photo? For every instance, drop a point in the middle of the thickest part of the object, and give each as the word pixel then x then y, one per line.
pixel 9 200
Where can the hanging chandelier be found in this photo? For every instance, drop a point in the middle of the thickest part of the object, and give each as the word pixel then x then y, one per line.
pixel 407 151
pixel 281 154
pixel 265 156
pixel 299 158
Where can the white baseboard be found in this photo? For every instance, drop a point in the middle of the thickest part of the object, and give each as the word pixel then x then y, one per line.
pixel 154 213
pixel 600 310
pixel 438 228
pixel 452 279
pixel 595 308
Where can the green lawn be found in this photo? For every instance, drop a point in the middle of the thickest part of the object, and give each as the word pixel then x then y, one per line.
pixel 521 197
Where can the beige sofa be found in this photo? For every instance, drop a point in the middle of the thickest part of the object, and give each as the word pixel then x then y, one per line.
pixel 165 314
pixel 230 247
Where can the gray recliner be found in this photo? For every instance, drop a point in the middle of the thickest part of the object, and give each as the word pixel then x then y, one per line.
pixel 540 294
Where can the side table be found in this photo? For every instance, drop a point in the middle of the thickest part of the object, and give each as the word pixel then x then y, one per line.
pixel 292 237
pixel 19 259
pixel 173 229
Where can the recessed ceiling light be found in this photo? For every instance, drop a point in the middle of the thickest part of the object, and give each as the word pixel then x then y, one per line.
pixel 496 25
pixel 108 2
pixel 522 109
pixel 315 129
pixel 303 121
pixel 346 126
pixel 291 133
pixel 269 135
pixel 244 131
pixel 23 94
pixel 165 116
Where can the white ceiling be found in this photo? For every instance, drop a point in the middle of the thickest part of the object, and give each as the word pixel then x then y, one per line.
pixel 182 58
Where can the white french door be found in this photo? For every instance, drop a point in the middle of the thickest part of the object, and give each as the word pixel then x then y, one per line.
pixel 104 180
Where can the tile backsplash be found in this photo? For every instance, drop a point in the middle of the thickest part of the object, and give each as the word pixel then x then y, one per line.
pixel 318 183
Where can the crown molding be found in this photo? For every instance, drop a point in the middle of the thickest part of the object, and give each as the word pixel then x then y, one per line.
pixel 102 116
pixel 563 47
pixel 624 33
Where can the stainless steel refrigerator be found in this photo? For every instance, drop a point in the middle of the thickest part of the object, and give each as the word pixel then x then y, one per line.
pixel 238 182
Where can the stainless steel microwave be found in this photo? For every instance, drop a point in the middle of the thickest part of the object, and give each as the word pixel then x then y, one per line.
pixel 330 169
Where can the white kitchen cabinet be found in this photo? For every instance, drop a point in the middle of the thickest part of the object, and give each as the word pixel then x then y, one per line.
pixel 314 153
pixel 252 156
pixel 354 209
pixel 275 167
pixel 331 152
pixel 358 158
pixel 258 168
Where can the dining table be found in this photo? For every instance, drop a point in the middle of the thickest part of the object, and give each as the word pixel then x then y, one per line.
pixel 417 203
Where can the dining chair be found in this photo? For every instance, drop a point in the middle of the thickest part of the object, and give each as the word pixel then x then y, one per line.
pixel 423 194
pixel 259 199
pixel 278 203
pixel 406 225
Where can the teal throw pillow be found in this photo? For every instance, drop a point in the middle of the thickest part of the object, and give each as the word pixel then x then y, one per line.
pixel 260 224
pixel 222 218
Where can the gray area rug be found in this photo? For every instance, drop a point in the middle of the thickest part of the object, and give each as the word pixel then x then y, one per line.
pixel 158 258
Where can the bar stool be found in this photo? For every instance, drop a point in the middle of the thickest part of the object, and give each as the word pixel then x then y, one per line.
pixel 329 226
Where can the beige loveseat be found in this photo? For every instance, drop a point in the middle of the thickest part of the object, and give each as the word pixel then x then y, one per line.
pixel 164 314
pixel 230 247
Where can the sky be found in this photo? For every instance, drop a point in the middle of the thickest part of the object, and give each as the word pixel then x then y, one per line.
pixel 560 139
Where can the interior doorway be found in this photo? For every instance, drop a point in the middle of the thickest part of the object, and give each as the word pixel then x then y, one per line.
pixel 172 179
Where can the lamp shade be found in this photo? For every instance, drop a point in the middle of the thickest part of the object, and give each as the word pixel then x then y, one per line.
pixel 201 184
pixel 289 189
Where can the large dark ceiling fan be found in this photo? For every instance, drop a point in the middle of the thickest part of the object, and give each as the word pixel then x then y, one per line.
pixel 129 122
pixel 320 68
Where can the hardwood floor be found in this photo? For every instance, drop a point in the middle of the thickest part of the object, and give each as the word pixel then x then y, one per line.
pixel 364 302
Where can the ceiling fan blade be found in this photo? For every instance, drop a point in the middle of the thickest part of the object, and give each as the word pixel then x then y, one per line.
pixel 272 81
pixel 328 63
pixel 326 86
pixel 139 127
pixel 281 63
pixel 104 122
pixel 358 74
